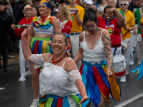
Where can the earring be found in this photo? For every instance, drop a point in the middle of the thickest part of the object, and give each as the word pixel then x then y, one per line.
pixel 97 28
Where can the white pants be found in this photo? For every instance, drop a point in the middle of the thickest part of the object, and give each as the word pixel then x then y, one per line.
pixel 128 53
pixel 118 50
pixel 21 60
pixel 74 39
pixel 72 102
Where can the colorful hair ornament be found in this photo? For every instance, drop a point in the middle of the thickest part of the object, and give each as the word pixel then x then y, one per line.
pixel 46 2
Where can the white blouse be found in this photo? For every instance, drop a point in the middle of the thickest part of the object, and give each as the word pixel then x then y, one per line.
pixel 54 79
pixel 95 55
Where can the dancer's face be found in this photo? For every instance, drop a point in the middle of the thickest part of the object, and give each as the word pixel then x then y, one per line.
pixel 90 26
pixel 58 44
pixel 43 9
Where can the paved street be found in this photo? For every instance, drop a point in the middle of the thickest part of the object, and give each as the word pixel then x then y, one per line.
pixel 19 94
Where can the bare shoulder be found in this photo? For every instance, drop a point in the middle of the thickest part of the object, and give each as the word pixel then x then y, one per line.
pixel 54 18
pixel 81 37
pixel 70 65
pixel 46 56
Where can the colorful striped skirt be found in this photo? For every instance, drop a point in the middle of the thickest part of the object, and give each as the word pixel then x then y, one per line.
pixel 56 101
pixel 40 45
pixel 97 83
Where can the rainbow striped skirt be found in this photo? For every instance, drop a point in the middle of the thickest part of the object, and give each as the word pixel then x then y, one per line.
pixel 56 101
pixel 97 83
pixel 40 45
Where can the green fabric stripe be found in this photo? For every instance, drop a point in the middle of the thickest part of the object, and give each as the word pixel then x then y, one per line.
pixel 31 44
pixel 77 99
pixel 49 102
pixel 41 39
pixel 47 48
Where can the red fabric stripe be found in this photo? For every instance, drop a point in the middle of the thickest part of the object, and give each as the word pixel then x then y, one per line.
pixel 35 47
pixel 38 69
pixel 81 69
pixel 120 73
pixel 59 102
pixel 101 85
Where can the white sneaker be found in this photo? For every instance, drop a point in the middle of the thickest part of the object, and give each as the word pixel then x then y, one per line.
pixel 22 79
pixel 127 73
pixel 131 63
pixel 35 103
pixel 123 79
pixel 28 73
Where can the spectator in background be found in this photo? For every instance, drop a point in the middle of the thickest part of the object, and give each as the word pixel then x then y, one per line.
pixel 18 10
pixel 88 3
pixel 100 11
pixel 29 2
pixel 18 31
pixel 34 11
pixel 11 33
pixel 6 22
pixel 77 21
pixel 126 31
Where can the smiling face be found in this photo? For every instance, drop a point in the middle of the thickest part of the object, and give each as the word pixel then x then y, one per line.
pixel 43 9
pixel 108 15
pixel 60 12
pixel 34 12
pixel 28 12
pixel 58 44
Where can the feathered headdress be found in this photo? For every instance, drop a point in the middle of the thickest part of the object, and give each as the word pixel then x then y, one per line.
pixel 46 2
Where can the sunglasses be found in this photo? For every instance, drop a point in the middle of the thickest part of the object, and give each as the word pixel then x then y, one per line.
pixel 123 4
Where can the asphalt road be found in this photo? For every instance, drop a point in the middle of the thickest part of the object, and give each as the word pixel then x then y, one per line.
pixel 19 94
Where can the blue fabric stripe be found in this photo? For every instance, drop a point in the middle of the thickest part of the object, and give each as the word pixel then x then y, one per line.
pixel 54 104
pixel 93 87
pixel 65 102
pixel 33 46
pixel 39 50
pixel 85 82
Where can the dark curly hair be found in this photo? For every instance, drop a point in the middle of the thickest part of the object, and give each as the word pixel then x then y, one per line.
pixel 90 15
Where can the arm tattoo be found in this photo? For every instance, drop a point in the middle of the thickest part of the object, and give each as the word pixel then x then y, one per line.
pixel 108 52
pixel 107 38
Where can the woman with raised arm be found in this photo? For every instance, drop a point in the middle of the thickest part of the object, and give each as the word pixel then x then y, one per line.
pixel 43 29
pixel 60 80
pixel 97 75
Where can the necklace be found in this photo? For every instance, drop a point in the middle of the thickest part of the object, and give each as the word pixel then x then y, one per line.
pixel 57 60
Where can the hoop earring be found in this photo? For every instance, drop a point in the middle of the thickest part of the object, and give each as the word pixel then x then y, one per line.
pixel 97 28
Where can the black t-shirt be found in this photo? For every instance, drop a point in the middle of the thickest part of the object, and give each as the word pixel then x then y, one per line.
pixel 6 21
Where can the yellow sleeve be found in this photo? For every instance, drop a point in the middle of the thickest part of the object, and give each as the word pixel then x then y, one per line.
pixel 141 20
pixel 81 13
pixel 132 20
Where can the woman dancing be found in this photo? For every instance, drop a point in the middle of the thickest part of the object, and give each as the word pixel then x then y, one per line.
pixel 97 75
pixel 43 29
pixel 59 79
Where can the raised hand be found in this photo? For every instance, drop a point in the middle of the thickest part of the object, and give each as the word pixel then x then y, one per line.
pixel 26 31
pixel 83 99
